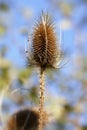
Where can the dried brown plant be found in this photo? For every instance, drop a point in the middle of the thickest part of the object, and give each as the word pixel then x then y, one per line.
pixel 44 53
pixel 27 119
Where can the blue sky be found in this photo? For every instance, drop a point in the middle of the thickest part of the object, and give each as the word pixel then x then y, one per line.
pixel 22 15
pixel 17 21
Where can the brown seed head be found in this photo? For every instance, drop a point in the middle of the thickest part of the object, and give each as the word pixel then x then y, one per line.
pixel 45 52
pixel 26 119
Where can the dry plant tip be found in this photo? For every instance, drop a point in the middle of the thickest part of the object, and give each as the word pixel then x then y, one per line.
pixel 45 52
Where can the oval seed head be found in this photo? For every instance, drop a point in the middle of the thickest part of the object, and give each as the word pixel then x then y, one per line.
pixel 45 52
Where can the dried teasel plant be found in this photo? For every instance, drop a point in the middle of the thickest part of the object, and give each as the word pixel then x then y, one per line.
pixel 25 119
pixel 44 53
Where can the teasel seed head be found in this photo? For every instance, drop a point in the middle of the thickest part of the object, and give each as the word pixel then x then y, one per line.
pixel 45 51
pixel 27 119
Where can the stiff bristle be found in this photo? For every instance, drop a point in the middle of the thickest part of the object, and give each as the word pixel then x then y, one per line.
pixel 45 51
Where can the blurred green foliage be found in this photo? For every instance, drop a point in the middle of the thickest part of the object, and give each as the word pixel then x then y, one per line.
pixel 24 75
pixel 2 29
pixel 4 6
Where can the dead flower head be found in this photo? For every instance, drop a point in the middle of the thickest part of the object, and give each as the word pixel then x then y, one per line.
pixel 45 49
pixel 26 119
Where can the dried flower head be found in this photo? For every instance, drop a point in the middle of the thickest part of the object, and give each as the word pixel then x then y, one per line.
pixel 26 119
pixel 45 52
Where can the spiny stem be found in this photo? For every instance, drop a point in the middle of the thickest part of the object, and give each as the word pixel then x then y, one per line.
pixel 41 100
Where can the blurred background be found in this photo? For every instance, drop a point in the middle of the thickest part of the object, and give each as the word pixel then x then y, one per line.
pixel 65 88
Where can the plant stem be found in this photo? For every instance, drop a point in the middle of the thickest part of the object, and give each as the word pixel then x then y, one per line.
pixel 41 100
